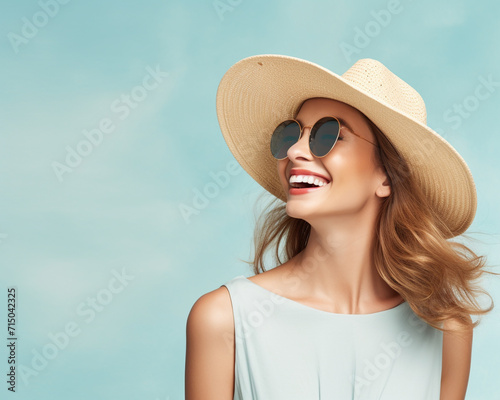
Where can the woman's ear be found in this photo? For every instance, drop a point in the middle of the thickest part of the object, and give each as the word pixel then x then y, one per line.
pixel 384 189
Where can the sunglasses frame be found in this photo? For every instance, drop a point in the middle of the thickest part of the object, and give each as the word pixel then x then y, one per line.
pixel 311 127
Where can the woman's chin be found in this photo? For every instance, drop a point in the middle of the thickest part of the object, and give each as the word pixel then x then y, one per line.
pixel 299 210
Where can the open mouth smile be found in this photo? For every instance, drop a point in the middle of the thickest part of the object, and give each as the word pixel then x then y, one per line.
pixel 300 184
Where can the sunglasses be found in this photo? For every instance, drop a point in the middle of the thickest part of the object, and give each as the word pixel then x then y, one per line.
pixel 323 137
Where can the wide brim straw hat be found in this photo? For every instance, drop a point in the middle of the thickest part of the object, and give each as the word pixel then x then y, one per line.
pixel 261 91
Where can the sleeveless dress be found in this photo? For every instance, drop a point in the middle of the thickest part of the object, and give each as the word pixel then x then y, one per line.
pixel 286 350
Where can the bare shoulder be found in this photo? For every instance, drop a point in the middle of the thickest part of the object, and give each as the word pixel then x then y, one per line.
pixel 210 347
pixel 457 354
pixel 212 311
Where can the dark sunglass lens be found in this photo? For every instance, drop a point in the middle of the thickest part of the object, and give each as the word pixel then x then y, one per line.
pixel 284 136
pixel 323 136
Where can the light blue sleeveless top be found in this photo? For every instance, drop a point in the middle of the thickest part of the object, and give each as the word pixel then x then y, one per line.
pixel 286 350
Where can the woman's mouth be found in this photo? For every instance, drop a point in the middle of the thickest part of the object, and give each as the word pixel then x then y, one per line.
pixel 301 184
pixel 303 188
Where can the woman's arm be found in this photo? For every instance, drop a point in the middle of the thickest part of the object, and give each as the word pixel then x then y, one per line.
pixel 210 348
pixel 457 349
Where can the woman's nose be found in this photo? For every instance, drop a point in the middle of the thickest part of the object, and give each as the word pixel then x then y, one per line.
pixel 301 147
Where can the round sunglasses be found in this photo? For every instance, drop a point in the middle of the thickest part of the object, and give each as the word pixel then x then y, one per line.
pixel 323 137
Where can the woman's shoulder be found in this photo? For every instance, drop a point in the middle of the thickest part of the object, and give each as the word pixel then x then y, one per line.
pixel 212 313
pixel 210 346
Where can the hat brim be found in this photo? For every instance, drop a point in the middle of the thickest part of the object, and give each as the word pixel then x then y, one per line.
pixel 259 92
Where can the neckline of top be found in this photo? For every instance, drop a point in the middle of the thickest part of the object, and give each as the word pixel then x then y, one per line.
pixel 382 312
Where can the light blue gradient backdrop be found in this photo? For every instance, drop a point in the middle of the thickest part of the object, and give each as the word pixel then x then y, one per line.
pixel 61 241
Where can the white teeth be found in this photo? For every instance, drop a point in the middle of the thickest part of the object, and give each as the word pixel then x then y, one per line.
pixel 307 179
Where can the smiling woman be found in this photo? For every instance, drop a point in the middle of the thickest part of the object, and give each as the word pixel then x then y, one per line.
pixel 369 299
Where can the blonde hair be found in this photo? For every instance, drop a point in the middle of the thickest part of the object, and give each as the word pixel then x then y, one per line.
pixel 436 276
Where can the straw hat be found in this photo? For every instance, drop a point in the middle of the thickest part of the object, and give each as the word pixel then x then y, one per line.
pixel 259 92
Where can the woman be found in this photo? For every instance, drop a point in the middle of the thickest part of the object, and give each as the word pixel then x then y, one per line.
pixel 372 301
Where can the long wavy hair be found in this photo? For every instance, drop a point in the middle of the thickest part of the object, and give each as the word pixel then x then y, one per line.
pixel 436 276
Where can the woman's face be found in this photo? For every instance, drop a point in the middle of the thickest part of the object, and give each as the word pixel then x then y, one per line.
pixel 354 180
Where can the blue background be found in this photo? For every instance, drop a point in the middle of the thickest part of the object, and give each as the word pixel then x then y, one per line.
pixel 118 210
